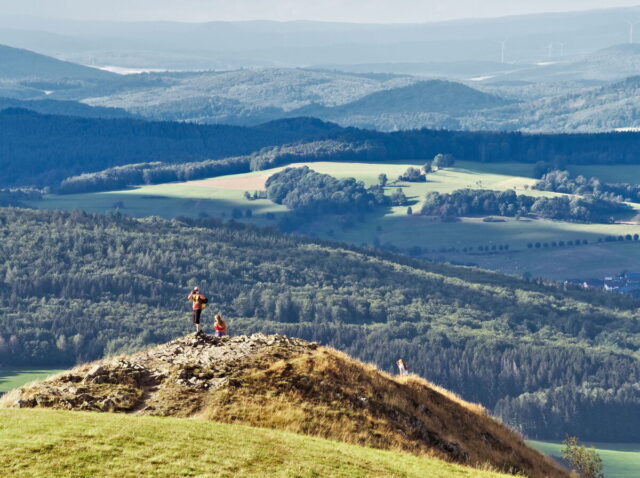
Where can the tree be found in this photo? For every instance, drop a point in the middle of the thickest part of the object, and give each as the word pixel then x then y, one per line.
pixel 398 198
pixel 428 167
pixel 409 211
pixel 443 161
pixel 586 462
pixel 382 179
pixel 413 175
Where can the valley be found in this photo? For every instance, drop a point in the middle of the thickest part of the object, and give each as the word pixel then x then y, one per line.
pixel 223 197
pixel 11 378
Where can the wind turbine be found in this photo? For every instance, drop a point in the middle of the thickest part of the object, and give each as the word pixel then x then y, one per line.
pixel 562 49
pixel 550 50
pixel 631 26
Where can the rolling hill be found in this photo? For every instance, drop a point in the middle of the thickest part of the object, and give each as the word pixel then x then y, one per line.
pixel 612 107
pixel 64 108
pixel 109 284
pixel 264 43
pixel 16 63
pixel 118 445
pixel 433 103
pixel 282 383
pixel 613 63
pixel 247 96
pixel 42 150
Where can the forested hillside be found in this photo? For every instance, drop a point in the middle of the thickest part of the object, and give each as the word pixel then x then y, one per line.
pixel 43 150
pixel 65 108
pixel 433 96
pixel 74 287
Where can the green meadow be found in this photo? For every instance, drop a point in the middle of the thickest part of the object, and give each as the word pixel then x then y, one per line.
pixel 620 460
pixel 219 197
pixel 11 378
pixel 46 443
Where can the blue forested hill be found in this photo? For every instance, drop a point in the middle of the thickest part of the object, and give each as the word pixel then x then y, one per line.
pixel 433 96
pixel 64 108
pixel 42 150
pixel 17 63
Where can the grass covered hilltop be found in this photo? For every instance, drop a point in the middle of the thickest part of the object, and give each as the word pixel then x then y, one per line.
pixel 46 443
pixel 289 384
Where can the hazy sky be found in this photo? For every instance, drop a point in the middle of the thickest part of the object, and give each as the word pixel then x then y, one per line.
pixel 378 11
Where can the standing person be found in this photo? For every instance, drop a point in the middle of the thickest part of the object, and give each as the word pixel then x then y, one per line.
pixel 402 367
pixel 199 301
pixel 220 326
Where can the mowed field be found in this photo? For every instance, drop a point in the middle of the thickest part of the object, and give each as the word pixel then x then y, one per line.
pixel 46 443
pixel 224 197
pixel 620 460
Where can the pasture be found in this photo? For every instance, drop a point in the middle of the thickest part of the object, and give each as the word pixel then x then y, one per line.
pixel 621 460
pixel 11 378
pixel 223 197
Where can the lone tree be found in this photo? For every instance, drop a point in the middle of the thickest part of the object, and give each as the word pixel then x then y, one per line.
pixel 585 461
pixel 398 198
pixel 382 179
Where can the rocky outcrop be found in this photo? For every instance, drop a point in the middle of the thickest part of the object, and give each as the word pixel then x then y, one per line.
pixel 155 381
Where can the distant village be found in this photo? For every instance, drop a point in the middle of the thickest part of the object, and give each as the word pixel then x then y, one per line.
pixel 625 283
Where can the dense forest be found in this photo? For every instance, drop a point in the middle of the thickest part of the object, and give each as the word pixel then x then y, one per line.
pixel 75 286
pixel 311 193
pixel 479 202
pixel 43 150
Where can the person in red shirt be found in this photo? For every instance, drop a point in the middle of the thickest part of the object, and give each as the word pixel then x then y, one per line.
pixel 220 326
pixel 199 303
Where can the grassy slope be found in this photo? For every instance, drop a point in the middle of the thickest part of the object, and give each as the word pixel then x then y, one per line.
pixel 301 388
pixel 620 460
pixel 11 378
pixel 394 226
pixel 39 443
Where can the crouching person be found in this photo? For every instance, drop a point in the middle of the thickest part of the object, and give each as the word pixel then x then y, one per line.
pixel 220 326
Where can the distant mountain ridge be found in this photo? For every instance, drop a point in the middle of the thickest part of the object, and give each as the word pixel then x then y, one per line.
pixel 228 45
pixel 64 108
pixel 445 99
pixel 16 63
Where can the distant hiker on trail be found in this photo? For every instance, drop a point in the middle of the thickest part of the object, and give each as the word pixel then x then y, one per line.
pixel 220 326
pixel 402 367
pixel 199 303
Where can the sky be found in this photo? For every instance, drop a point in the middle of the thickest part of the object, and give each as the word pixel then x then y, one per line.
pixel 361 11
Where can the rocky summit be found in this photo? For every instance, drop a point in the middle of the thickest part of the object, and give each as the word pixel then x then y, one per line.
pixel 154 381
pixel 273 381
